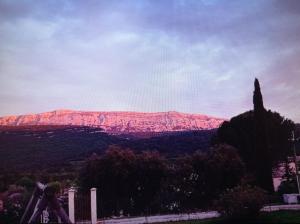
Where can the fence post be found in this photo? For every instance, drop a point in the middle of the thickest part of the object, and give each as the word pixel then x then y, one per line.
pixel 71 195
pixel 94 205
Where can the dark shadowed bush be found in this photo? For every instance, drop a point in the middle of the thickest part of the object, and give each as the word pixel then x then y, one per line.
pixel 240 202
pixel 287 187
pixel 288 184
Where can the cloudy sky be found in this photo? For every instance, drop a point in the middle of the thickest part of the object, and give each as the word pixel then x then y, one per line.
pixel 190 56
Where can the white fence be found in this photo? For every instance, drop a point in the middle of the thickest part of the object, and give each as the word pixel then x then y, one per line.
pixel 186 217
pixel 162 218
pixel 155 218
pixel 71 202
pixel 133 220
pixel 273 208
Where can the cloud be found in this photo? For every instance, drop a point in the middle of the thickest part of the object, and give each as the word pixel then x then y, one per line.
pixel 191 56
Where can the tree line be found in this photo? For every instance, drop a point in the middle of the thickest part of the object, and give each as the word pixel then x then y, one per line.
pixel 132 183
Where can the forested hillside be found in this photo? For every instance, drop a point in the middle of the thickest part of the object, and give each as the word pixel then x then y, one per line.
pixel 29 148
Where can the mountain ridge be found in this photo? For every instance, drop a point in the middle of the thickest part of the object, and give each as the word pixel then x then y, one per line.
pixel 118 121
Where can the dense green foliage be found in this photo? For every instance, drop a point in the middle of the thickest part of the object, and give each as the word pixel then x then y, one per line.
pixel 148 183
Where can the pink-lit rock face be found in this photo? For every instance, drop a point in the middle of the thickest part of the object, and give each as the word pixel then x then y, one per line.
pixel 119 122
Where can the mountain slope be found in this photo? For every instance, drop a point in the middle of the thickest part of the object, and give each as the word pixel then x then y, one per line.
pixel 119 122
pixel 34 148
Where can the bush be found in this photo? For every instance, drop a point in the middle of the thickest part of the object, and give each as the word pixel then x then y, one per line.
pixel 55 187
pixel 26 182
pixel 289 183
pixel 287 187
pixel 241 202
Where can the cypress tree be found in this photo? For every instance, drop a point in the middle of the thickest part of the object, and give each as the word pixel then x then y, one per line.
pixel 261 138
pixel 257 98
pixel 262 154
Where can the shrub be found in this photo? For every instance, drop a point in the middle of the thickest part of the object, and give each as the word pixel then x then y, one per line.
pixel 289 183
pixel 54 187
pixel 26 182
pixel 242 201
pixel 287 187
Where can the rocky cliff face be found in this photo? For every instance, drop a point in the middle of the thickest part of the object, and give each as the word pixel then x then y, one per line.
pixel 119 122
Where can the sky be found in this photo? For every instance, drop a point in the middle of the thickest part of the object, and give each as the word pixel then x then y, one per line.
pixel 189 56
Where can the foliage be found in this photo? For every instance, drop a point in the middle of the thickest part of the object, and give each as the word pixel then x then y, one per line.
pixel 26 182
pixel 57 149
pixel 261 138
pixel 289 183
pixel 128 181
pixel 243 201
pixel 224 168
pixel 200 178
pixel 11 214
pixel 14 203
pixel 36 148
pixel 173 144
pixel 287 187
pixel 56 186
pixel 140 183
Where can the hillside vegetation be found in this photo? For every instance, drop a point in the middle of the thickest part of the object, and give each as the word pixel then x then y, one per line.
pixel 28 148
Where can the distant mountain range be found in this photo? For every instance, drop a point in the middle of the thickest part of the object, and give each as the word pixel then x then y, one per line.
pixel 119 122
pixel 53 140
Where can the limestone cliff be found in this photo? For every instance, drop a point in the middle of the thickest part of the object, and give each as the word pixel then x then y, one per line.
pixel 119 122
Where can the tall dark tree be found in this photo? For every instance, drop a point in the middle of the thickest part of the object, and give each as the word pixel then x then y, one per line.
pixel 262 153
pixel 257 98
pixel 261 138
